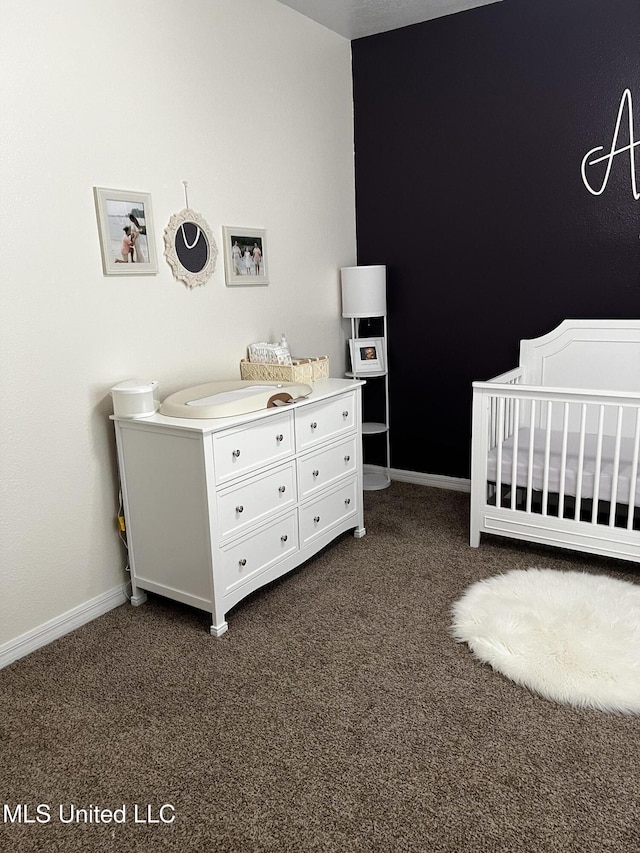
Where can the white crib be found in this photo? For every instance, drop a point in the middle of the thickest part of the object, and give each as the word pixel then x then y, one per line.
pixel 555 442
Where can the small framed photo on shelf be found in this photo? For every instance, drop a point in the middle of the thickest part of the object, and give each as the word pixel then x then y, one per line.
pixel 367 355
pixel 245 256
pixel 125 227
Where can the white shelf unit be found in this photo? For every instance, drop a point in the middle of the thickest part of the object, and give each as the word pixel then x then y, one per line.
pixel 373 481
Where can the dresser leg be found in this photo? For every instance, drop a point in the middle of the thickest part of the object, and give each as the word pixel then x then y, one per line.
pixel 359 532
pixel 219 630
pixel 138 597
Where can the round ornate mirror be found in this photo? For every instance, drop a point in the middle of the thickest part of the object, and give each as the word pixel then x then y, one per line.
pixel 190 248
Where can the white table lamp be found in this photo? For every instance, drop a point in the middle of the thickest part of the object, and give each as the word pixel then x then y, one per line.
pixel 364 291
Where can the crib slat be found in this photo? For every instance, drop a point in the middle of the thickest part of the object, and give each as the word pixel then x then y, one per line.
pixel 499 459
pixel 563 459
pixel 616 469
pixel 634 472
pixel 495 434
pixel 530 460
pixel 583 425
pixel 547 454
pixel 490 442
pixel 596 476
pixel 514 461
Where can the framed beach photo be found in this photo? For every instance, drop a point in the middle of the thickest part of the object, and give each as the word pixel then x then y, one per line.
pixel 125 226
pixel 245 256
pixel 367 355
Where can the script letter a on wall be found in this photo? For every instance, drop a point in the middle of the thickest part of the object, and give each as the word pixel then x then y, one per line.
pixel 594 157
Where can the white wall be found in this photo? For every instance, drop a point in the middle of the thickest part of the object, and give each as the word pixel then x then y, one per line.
pixel 251 104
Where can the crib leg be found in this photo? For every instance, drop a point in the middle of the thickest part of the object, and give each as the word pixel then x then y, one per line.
pixel 474 516
pixel 474 526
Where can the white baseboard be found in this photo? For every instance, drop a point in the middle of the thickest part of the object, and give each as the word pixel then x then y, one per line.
pixel 61 625
pixel 72 619
pixel 436 481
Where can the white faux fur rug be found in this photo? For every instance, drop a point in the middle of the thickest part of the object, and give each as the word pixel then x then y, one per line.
pixel 571 637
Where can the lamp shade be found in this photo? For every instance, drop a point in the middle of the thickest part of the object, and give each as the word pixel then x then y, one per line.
pixel 364 291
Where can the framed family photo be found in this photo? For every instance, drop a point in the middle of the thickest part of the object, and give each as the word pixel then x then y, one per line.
pixel 125 226
pixel 367 355
pixel 245 256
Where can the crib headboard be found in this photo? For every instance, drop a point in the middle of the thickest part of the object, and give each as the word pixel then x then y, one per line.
pixel 601 355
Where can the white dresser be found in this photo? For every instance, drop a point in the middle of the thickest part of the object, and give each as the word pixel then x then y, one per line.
pixel 217 508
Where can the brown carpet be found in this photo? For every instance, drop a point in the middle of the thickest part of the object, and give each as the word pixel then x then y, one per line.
pixel 336 715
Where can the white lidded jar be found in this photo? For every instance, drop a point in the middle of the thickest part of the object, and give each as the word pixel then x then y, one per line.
pixel 135 398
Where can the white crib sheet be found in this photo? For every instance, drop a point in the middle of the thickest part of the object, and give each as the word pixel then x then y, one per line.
pixel 571 471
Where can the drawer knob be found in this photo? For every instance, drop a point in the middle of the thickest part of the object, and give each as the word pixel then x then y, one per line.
pixel 242 562
pixel 345 414
pixel 315 473
pixel 236 453
pixel 314 425
pixel 284 538
pixel 316 519
pixel 239 509
pixel 279 437
pixel 282 489
pixel 347 501
pixel 347 458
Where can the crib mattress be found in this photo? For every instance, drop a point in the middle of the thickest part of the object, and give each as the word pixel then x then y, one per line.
pixel 625 471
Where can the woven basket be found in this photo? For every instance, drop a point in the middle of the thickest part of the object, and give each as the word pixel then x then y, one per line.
pixel 300 370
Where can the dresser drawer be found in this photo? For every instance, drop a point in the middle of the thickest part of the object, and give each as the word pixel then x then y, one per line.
pixel 320 469
pixel 319 515
pixel 323 421
pixel 243 449
pixel 242 561
pixel 255 499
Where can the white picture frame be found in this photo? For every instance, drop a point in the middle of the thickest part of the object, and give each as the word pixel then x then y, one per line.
pixel 367 355
pixel 246 262
pixel 117 210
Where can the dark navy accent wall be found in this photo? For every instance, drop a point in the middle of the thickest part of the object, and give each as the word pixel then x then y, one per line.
pixel 470 132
